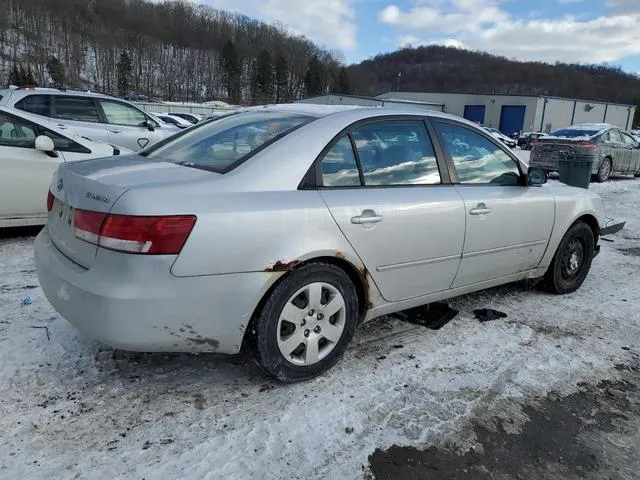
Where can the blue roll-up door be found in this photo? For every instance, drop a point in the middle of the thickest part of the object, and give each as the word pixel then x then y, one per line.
pixel 512 118
pixel 474 113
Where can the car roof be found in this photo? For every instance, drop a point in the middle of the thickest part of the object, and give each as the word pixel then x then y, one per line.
pixel 354 112
pixel 589 126
pixel 25 91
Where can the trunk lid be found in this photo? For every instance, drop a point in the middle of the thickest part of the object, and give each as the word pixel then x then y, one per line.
pixel 546 152
pixel 96 185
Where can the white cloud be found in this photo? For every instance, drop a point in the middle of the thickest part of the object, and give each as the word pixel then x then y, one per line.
pixel 444 16
pixel 624 6
pixel 331 23
pixel 484 25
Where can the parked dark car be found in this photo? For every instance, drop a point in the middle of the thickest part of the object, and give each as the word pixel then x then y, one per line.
pixel 526 139
pixel 613 151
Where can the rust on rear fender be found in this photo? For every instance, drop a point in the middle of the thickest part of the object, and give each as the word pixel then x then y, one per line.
pixel 280 266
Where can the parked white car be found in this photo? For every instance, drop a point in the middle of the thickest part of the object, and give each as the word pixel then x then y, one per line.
pixel 98 117
pixel 509 142
pixel 193 118
pixel 30 152
pixel 181 123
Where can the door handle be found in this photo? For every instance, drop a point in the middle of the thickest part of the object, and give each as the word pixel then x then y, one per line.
pixel 115 130
pixel 61 126
pixel 480 209
pixel 367 216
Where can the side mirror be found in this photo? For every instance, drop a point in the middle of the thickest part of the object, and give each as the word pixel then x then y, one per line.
pixel 536 177
pixel 46 145
pixel 150 124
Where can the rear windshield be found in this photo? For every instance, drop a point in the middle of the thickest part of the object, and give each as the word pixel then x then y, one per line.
pixel 572 133
pixel 221 145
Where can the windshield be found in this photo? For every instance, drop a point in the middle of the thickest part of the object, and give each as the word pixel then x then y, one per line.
pixel 221 145
pixel 573 133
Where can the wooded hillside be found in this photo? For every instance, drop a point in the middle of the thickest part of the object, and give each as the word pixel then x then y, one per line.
pixel 452 70
pixel 174 50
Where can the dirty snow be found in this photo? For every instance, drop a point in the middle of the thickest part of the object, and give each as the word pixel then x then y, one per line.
pixel 71 408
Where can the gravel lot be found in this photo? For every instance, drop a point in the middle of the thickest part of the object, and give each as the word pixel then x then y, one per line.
pixel 550 391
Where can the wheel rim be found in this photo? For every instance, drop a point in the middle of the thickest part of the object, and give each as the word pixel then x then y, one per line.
pixel 311 323
pixel 605 170
pixel 573 259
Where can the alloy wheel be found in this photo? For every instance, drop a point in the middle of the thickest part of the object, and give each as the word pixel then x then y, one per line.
pixel 311 323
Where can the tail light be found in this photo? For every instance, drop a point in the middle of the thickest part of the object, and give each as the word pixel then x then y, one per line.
pixel 161 235
pixel 586 145
pixel 50 200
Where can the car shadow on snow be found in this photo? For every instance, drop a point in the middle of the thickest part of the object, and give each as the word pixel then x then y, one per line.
pixel 18 232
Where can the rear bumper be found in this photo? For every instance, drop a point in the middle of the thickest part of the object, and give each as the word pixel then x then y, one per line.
pixel 611 226
pixel 134 303
pixel 549 164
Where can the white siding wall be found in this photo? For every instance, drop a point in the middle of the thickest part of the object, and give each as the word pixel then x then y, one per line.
pixel 594 115
pixel 560 113
pixel 454 103
pixel 556 114
pixel 619 115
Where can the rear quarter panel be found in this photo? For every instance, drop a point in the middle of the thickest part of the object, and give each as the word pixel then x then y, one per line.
pixel 261 231
pixel 571 204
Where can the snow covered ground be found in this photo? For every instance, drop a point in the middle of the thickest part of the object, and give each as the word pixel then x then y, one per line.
pixel 71 408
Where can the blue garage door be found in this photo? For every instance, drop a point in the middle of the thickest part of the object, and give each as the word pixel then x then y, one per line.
pixel 512 118
pixel 474 113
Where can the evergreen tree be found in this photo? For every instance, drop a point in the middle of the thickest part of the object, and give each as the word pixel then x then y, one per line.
pixel 344 85
pixel 15 76
pixel 56 71
pixel 262 81
pixel 282 79
pixel 124 74
pixel 232 68
pixel 30 79
pixel 313 78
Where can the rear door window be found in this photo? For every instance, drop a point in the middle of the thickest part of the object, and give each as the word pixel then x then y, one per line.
pixel 37 104
pixel 628 140
pixel 122 114
pixel 79 109
pixel 613 137
pixel 396 152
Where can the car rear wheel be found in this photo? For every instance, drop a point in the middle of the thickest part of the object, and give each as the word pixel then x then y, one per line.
pixel 572 260
pixel 604 172
pixel 306 323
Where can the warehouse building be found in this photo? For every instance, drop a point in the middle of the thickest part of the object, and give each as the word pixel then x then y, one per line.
pixel 516 113
pixel 507 113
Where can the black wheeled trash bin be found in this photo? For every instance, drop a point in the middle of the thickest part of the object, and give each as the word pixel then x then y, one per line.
pixel 575 169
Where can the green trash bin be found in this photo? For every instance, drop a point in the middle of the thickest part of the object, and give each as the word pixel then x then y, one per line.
pixel 575 169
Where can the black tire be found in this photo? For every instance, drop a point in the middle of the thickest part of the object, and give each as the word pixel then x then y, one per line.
pixel 264 334
pixel 604 173
pixel 563 276
pixel 636 175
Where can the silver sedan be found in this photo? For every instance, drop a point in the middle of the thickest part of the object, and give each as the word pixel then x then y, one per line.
pixel 283 228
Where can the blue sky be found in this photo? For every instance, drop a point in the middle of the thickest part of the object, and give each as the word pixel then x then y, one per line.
pixel 584 31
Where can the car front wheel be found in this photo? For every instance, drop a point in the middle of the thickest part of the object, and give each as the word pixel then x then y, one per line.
pixel 572 260
pixel 306 323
